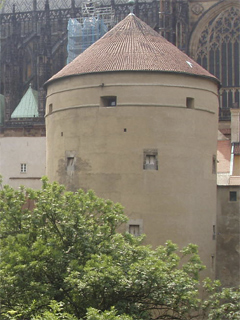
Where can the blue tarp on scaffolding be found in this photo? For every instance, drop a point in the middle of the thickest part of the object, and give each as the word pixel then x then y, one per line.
pixel 82 35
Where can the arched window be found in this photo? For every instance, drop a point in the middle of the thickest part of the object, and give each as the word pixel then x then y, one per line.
pixel 218 52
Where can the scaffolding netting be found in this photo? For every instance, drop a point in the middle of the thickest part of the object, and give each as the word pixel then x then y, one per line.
pixel 82 35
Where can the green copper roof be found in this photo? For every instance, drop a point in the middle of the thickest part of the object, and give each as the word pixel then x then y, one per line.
pixel 28 106
pixel 2 105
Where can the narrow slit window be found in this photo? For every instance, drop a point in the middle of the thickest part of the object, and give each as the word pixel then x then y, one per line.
pixel 214 164
pixel 190 103
pixel 214 232
pixel 50 108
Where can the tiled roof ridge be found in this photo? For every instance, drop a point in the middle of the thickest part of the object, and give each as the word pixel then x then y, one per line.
pixel 132 45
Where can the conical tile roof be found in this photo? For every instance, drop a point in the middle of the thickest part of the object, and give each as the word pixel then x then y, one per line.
pixel 132 46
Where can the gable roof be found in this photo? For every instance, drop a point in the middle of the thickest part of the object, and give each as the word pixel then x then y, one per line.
pixel 132 45
pixel 28 106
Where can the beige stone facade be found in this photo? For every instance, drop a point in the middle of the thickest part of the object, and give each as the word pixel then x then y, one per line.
pixel 104 148
pixel 228 208
pixel 152 115
pixel 228 235
pixel 22 161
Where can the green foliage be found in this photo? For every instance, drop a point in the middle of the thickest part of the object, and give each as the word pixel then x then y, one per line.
pixel 62 249
pixel 93 314
pixel 222 303
pixel 55 313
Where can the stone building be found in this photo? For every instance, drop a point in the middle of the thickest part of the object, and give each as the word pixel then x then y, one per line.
pixel 228 199
pixel 33 47
pixel 23 145
pixel 116 123
pixel 33 40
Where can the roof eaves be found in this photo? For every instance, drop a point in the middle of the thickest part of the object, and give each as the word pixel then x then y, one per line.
pixel 213 78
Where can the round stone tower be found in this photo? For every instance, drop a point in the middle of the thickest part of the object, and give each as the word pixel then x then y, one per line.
pixel 135 119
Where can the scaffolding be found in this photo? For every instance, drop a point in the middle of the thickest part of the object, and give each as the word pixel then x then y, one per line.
pixel 95 22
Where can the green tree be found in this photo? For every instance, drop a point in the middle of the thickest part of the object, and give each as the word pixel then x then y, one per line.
pixel 56 313
pixel 221 303
pixel 62 246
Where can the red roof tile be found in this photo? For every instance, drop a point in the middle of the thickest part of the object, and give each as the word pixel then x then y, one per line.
pixel 225 130
pixel 132 46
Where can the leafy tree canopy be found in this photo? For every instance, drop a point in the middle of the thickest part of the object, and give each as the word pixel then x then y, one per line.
pixel 62 258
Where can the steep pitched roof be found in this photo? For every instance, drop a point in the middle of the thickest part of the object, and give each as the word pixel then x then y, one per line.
pixel 28 106
pixel 132 46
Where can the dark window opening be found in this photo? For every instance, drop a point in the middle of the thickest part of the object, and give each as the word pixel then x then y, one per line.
pixel 50 108
pixel 110 101
pixel 190 103
pixel 150 160
pixel 70 161
pixel 134 229
pixel 233 196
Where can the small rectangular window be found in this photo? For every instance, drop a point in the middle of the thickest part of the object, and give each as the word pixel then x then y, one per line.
pixel 110 101
pixel 233 196
pixel 70 162
pixel 23 168
pixel 134 229
pixel 190 103
pixel 50 108
pixel 214 232
pixel 70 165
pixel 150 160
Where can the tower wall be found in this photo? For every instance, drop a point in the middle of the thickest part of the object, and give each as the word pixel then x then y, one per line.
pixel 171 117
